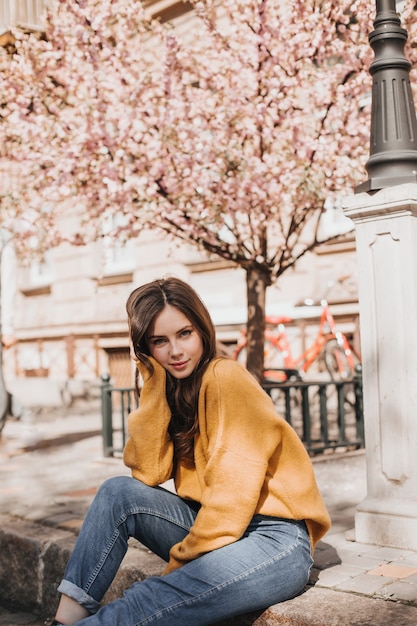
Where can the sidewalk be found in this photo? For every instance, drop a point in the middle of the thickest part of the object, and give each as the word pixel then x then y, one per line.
pixel 50 469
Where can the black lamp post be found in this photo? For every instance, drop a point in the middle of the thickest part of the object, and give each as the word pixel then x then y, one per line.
pixel 393 145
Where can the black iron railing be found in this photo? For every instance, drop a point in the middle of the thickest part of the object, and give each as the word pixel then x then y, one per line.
pixel 325 414
pixel 116 404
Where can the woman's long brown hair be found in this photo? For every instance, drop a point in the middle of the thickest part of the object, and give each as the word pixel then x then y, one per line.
pixel 143 304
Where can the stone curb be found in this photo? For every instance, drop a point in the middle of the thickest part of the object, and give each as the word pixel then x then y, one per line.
pixel 33 558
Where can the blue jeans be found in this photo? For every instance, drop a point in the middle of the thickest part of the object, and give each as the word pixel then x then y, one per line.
pixel 269 564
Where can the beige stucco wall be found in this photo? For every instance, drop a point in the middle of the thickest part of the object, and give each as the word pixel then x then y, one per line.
pixel 67 323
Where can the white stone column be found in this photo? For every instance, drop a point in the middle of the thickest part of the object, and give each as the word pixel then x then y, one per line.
pixel 386 238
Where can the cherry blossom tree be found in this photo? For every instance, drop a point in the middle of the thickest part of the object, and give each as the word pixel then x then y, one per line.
pixel 231 131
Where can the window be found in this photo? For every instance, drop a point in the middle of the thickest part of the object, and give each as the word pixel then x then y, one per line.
pixel 37 277
pixel 333 221
pixel 40 273
pixel 23 13
pixel 118 255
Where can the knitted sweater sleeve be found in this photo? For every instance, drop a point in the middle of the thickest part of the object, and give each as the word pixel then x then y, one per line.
pixel 149 449
pixel 239 431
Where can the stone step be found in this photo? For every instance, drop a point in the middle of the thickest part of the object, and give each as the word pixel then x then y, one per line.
pixel 33 557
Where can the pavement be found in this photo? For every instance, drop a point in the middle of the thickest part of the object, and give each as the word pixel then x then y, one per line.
pixel 51 464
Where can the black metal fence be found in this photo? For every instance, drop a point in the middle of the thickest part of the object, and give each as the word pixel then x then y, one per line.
pixel 327 415
pixel 116 404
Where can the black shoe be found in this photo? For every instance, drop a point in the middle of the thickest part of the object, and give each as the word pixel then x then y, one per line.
pixel 55 623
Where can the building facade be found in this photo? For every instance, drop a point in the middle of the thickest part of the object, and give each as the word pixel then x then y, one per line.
pixel 67 314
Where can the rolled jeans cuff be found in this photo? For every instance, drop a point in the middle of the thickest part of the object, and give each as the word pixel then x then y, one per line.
pixel 77 594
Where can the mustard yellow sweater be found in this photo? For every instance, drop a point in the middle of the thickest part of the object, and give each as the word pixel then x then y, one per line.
pixel 248 460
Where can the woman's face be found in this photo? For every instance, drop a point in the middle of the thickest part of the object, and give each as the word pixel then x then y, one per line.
pixel 174 342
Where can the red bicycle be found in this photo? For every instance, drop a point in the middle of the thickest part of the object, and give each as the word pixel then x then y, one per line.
pixel 330 345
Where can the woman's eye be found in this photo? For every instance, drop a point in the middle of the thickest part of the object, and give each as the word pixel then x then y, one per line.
pixel 158 342
pixel 186 332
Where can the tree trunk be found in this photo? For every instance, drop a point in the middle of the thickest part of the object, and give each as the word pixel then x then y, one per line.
pixel 256 283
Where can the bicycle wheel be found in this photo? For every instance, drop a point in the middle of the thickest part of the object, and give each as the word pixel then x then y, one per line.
pixel 339 364
pixel 273 358
pixel 341 367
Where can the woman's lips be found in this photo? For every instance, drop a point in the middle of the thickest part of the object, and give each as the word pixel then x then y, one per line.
pixel 180 365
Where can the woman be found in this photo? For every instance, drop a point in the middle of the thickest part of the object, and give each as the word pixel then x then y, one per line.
pixel 240 530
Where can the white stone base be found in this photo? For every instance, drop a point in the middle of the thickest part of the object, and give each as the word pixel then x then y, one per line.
pixel 386 235
pixel 388 529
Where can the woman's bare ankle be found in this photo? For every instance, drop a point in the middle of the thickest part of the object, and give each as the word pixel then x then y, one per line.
pixel 69 612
